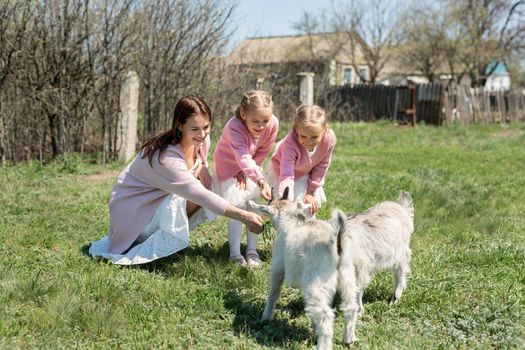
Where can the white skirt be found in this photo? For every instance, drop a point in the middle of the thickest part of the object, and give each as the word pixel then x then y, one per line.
pixel 165 234
pixel 229 190
pixel 299 188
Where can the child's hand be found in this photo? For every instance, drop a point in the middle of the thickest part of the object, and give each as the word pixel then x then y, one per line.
pixel 266 191
pixel 241 180
pixel 309 199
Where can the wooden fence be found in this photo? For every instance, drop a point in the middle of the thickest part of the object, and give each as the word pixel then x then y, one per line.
pixel 429 103
pixel 476 106
pixel 372 102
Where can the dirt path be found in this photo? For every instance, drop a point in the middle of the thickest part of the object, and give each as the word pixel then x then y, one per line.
pixel 507 134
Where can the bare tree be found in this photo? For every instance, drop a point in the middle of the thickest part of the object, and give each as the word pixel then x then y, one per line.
pixel 422 40
pixel 14 19
pixel 369 27
pixel 469 36
pixel 485 31
pixel 179 42
pixel 109 48
pixel 62 63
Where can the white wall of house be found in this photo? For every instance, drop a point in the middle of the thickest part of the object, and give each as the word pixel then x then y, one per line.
pixel 497 83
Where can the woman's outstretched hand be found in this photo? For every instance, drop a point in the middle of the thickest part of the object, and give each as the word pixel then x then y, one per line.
pixel 253 222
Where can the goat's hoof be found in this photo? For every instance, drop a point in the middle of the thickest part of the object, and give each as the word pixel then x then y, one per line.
pixel 360 311
pixel 393 299
pixel 350 342
pixel 266 320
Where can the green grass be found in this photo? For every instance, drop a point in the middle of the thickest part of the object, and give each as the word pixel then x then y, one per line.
pixel 466 290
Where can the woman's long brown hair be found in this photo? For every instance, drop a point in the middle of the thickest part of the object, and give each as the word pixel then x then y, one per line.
pixel 187 107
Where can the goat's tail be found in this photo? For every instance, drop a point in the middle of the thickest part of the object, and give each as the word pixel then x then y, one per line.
pixel 338 221
pixel 405 199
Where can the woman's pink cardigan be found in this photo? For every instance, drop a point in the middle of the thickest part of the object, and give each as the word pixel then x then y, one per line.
pixel 140 189
pixel 291 161
pixel 238 150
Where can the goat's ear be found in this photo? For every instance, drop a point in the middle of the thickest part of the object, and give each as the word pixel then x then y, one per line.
pixel 260 208
pixel 285 193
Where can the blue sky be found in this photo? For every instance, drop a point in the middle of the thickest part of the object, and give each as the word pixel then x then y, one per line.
pixel 271 17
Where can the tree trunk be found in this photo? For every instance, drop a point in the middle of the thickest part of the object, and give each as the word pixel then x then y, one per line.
pixel 53 127
pixel 2 136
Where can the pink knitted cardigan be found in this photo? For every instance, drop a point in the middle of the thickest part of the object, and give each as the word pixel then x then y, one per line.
pixel 140 189
pixel 238 150
pixel 291 160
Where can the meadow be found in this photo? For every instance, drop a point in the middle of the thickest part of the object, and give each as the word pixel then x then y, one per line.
pixel 466 289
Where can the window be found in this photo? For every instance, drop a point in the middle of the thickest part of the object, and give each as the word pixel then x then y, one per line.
pixel 347 75
pixel 363 74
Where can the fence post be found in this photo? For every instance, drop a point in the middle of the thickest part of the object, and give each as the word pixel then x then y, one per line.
pixel 306 91
pixel 127 128
pixel 259 83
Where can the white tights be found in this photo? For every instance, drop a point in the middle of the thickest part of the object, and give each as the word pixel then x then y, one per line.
pixel 234 238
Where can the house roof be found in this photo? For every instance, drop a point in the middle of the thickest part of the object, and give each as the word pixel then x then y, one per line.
pixel 294 48
pixel 496 67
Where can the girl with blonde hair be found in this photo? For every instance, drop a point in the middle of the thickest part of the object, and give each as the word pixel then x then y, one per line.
pixel 301 160
pixel 245 142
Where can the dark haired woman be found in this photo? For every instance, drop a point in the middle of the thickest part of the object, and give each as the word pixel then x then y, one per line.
pixel 161 194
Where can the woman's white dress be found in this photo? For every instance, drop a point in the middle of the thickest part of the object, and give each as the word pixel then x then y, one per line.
pixel 165 234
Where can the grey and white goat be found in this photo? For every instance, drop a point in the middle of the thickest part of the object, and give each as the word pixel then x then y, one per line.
pixel 320 257
pixel 379 239
pixel 305 255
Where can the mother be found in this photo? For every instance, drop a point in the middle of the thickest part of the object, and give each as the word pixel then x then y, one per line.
pixel 163 192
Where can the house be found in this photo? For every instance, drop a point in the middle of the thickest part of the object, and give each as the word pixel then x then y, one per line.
pixel 498 77
pixel 339 54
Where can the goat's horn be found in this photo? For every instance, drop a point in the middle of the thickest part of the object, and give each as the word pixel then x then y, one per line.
pixel 285 193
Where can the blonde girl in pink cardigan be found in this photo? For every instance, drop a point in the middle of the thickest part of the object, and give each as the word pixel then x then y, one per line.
pixel 302 158
pixel 163 192
pixel 245 142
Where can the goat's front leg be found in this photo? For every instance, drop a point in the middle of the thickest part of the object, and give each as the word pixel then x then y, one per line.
pixel 318 302
pixel 277 278
pixel 359 299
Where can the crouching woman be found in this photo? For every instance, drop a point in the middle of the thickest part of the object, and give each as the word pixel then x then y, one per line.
pixel 165 191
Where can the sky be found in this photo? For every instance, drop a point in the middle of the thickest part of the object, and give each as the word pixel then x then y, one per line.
pixel 271 17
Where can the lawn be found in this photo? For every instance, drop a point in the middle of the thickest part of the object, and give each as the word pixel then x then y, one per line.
pixel 466 289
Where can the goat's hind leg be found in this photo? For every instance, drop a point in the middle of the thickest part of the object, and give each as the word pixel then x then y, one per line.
pixel 400 280
pixel 273 295
pixel 351 304
pixel 350 307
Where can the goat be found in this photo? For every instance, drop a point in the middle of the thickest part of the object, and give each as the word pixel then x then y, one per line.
pixel 310 253
pixel 305 254
pixel 375 240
